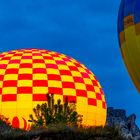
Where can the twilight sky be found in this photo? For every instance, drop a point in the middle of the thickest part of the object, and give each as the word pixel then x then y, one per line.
pixel 83 29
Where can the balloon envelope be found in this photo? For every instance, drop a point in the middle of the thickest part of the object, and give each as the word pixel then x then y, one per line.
pixel 129 37
pixel 26 76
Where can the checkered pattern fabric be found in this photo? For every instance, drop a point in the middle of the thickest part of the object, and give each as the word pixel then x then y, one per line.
pixel 26 76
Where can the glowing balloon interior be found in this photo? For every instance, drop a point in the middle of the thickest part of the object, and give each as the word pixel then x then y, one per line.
pixel 26 76
pixel 129 37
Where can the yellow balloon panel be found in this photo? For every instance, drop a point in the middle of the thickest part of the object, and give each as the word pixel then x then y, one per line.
pixel 131 53
pixel 26 76
pixel 129 37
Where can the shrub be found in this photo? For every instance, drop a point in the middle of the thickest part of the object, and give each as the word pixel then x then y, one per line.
pixel 4 120
pixel 51 113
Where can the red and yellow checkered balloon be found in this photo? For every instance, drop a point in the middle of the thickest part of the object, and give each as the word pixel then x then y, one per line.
pixel 26 76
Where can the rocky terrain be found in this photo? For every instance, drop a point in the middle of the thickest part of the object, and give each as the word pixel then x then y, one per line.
pixel 126 124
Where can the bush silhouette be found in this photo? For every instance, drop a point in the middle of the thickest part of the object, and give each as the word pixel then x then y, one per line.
pixel 51 113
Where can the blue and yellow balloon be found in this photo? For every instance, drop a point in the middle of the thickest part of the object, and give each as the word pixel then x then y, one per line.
pixel 129 37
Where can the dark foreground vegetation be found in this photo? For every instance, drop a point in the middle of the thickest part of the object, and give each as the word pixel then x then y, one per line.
pixel 56 121
pixel 60 132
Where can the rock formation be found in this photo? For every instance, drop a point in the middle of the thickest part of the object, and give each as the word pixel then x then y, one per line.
pixel 127 125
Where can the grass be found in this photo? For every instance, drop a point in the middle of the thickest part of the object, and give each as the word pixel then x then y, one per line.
pixel 61 132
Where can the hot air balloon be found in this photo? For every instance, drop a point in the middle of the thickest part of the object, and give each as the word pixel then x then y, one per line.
pixel 129 37
pixel 26 76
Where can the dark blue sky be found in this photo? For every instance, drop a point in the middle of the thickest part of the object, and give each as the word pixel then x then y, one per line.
pixel 83 29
